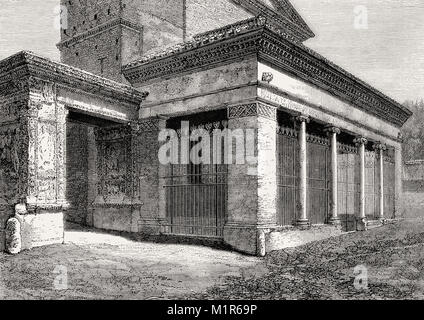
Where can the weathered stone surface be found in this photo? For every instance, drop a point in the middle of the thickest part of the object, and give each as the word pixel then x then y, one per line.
pixel 292 238
pixel 13 236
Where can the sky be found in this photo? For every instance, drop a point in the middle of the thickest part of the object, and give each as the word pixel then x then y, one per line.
pixel 379 41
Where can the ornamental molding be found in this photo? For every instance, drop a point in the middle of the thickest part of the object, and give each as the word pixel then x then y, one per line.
pixel 109 114
pixel 146 125
pixel 99 29
pixel 289 132
pixel 346 148
pixel 23 66
pixel 256 37
pixel 252 110
pixel 117 205
pixel 311 138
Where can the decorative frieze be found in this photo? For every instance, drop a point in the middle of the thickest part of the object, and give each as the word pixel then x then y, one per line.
pixel 317 139
pixel 346 148
pixel 251 110
pixel 259 38
pixel 284 131
pixel 146 125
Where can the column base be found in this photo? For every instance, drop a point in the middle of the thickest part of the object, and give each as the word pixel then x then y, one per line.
pixel 361 224
pixel 303 224
pixel 335 221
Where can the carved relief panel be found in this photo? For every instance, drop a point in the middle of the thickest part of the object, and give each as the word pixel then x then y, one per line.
pixel 114 163
pixel 9 164
pixel 46 161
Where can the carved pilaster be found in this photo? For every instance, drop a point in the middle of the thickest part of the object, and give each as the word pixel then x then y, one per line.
pixel 61 115
pixel 30 138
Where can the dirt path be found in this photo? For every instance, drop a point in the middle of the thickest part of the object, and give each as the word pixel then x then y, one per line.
pixel 384 263
pixel 104 266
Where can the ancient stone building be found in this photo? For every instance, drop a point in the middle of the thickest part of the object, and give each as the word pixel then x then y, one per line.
pixel 82 139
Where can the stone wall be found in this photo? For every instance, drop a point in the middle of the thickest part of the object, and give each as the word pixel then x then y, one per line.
pixel 162 22
pixel 205 15
pixel 413 189
pixel 99 55
pixel 77 172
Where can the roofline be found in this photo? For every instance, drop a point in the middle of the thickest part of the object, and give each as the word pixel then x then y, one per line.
pixel 304 30
pixel 270 44
pixel 35 65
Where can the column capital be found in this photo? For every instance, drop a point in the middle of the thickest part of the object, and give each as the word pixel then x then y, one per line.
pixel 360 140
pixel 379 146
pixel 332 129
pixel 302 118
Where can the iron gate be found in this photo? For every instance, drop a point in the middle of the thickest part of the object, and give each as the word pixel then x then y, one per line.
pixel 389 187
pixel 348 185
pixel 318 162
pixel 372 185
pixel 196 194
pixel 287 175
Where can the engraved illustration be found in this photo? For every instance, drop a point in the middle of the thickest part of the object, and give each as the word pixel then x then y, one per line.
pixel 211 150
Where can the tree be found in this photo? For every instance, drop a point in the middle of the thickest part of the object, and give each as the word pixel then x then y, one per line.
pixel 413 132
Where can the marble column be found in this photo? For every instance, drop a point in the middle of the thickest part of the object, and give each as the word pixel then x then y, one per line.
pixel 361 223
pixel 380 148
pixel 303 220
pixel 333 132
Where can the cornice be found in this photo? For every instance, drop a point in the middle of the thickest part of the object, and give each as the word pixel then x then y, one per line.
pixel 27 64
pixel 257 37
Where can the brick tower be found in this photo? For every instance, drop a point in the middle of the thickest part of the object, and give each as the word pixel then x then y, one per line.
pixel 100 36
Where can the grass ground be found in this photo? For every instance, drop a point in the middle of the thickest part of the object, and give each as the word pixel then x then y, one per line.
pixel 104 266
